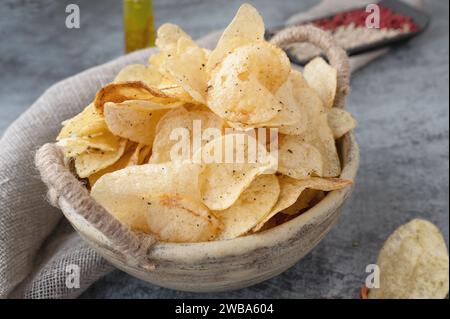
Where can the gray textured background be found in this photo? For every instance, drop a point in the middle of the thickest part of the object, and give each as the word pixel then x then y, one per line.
pixel 401 102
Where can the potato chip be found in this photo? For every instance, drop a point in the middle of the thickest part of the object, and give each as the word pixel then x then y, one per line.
pixel 178 219
pixel 253 204
pixel 243 89
pixel 290 190
pixel 224 176
pixel 168 36
pixel 158 198
pixel 140 155
pixel 318 133
pixel 181 118
pixel 135 120
pixel 340 121
pixel 121 92
pixel 123 162
pixel 88 122
pixel 297 80
pixel 268 63
pixel 308 198
pixel 187 69
pixel 86 131
pixel 298 159
pixel 276 220
pixel 246 27
pixel 295 107
pixel 289 119
pixel 413 264
pixel 93 161
pixel 176 91
pixel 138 72
pixel 74 146
pixel 323 79
pixel 245 101
pixel 291 115
pixel 182 64
pixel 135 154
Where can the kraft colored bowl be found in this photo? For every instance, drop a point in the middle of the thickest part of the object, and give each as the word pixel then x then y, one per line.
pixel 236 263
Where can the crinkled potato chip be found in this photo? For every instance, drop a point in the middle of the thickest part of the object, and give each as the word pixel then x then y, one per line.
pixel 255 202
pixel 276 220
pixel 135 120
pixel 323 79
pixel 160 199
pixel 318 132
pixel 413 264
pixel 244 88
pixel 181 118
pixel 121 92
pixel 295 107
pixel 187 69
pixel 291 189
pixel 224 179
pixel 138 72
pixel 88 122
pixel 298 159
pixel 74 146
pixel 123 162
pixel 168 36
pixel 291 114
pixel 135 154
pixel 86 132
pixel 182 64
pixel 290 119
pixel 93 161
pixel 340 121
pixel 308 198
pixel 140 155
pixel 246 27
pixel 268 63
pixel 235 100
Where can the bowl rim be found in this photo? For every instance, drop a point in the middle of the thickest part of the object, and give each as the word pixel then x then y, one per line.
pixel 195 252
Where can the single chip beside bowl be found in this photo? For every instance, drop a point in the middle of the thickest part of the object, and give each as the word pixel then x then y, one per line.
pixel 413 264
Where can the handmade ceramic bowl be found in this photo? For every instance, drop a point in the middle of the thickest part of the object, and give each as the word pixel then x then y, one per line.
pixel 236 263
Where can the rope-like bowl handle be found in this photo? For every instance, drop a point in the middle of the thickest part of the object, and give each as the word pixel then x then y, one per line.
pixel 335 54
pixel 62 183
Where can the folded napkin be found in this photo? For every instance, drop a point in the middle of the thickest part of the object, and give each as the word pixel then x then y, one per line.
pixel 38 248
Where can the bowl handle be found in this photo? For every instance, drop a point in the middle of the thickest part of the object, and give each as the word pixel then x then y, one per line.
pixel 335 54
pixel 62 183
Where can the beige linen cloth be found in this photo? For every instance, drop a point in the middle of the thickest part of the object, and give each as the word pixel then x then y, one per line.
pixel 36 243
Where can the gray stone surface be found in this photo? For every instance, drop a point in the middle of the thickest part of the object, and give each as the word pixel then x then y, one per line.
pixel 401 102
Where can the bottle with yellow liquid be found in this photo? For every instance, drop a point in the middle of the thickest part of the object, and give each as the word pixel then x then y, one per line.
pixel 139 28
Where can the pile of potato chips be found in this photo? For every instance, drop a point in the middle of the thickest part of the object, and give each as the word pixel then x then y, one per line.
pixel 123 142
